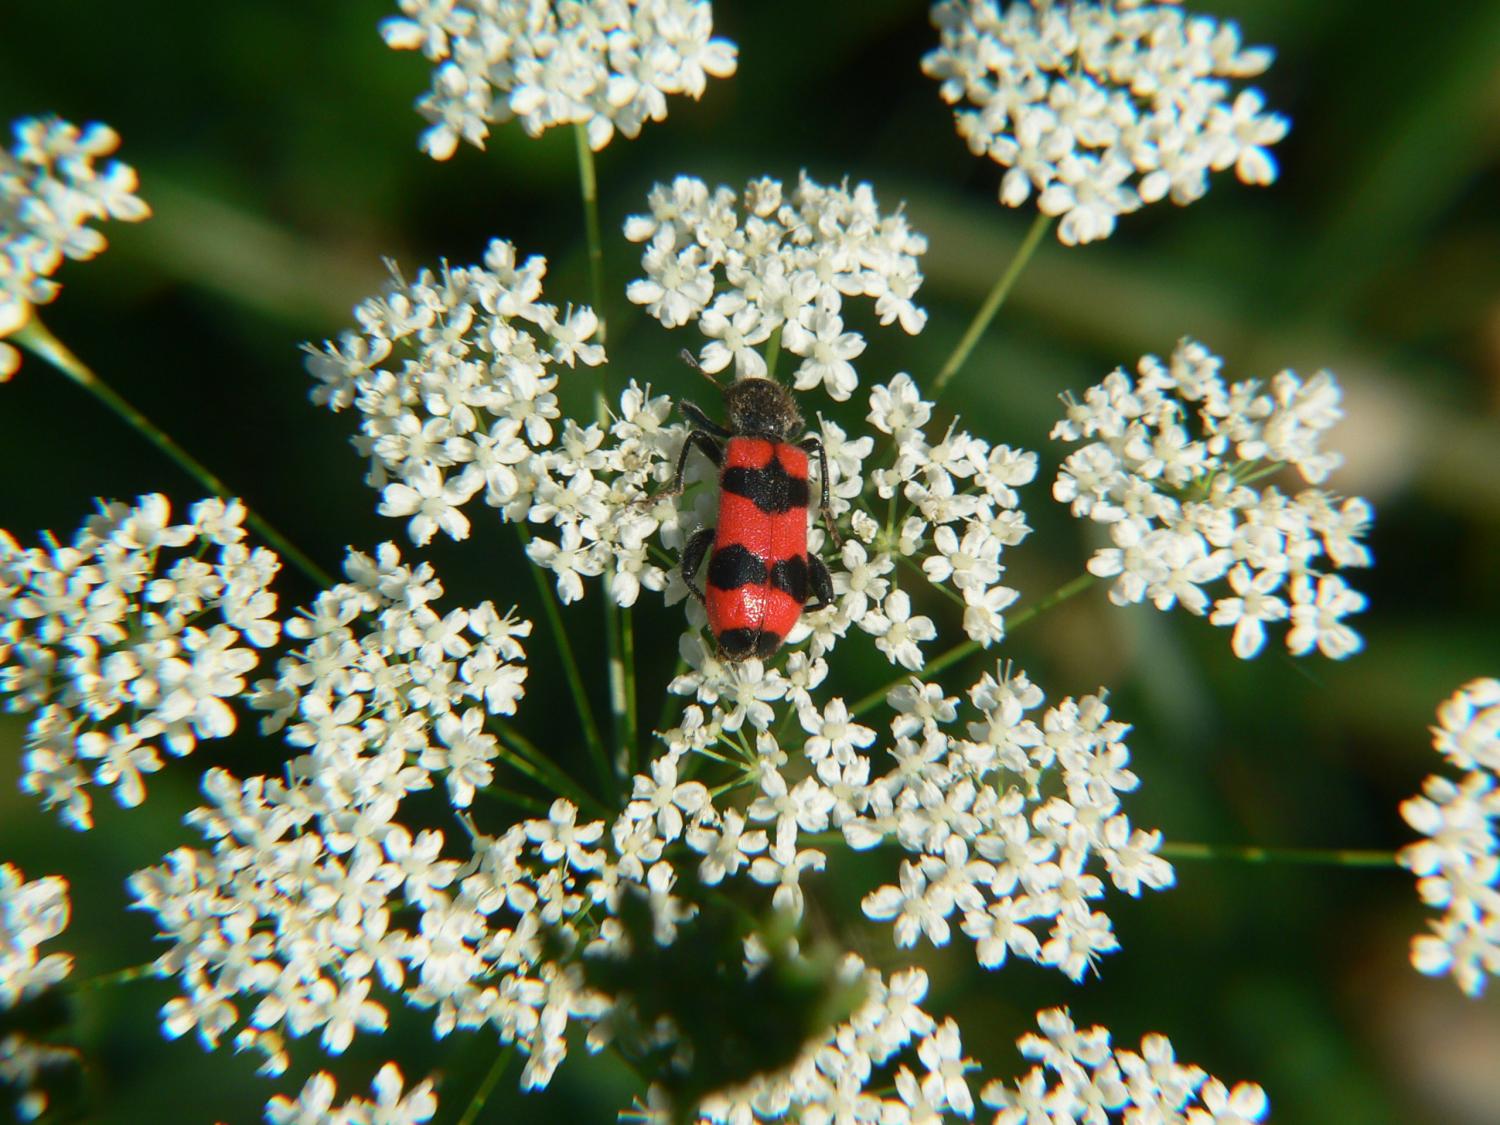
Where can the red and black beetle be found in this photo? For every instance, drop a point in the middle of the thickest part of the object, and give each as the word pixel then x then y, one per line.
pixel 761 575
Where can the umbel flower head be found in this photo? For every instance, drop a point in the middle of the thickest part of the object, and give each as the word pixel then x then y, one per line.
pixel 1169 461
pixel 608 65
pixel 453 374
pixel 1458 864
pixel 52 186
pixel 768 261
pixel 1078 1077
pixel 1095 108
pixel 129 641
pixel 30 914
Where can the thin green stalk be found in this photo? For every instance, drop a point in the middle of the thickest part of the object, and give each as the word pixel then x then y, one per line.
pixel 992 302
pixel 632 714
pixel 773 352
pixel 968 648
pixel 931 668
pixel 1234 853
pixel 615 679
pixel 1326 857
pixel 1061 594
pixel 119 976
pixel 620 668
pixel 527 758
pixel 486 1087
pixel 36 338
pixel 570 667
pixel 588 184
pixel 670 702
pixel 522 801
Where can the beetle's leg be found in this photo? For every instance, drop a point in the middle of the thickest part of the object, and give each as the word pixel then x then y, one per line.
pixel 692 558
pixel 821 582
pixel 710 448
pixel 702 421
pixel 813 445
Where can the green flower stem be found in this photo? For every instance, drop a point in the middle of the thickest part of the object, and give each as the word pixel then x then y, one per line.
pixel 618 680
pixel 968 648
pixel 945 590
pixel 527 758
pixel 570 667
pixel 669 702
pixel 1320 857
pixel 617 627
pixel 1234 853
pixel 931 668
pixel 533 806
pixel 1061 594
pixel 773 352
pixel 588 183
pixel 992 302
pixel 119 976
pixel 626 765
pixel 486 1087
pixel 35 337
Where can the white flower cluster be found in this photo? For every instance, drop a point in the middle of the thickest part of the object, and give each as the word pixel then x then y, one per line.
pixel 862 1069
pixel 1458 864
pixel 454 375
pixel 768 262
pixel 1098 108
pixel 1009 825
pixel 130 641
pixel 1079 1078
pixel 605 64
pixel 586 492
pixel 314 1105
pixel 50 191
pixel 1170 464
pixel 297 908
pixel 385 692
pixel 30 913
pixel 23 1062
pixel 1011 828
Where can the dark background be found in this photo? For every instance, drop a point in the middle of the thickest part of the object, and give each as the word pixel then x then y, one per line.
pixel 277 144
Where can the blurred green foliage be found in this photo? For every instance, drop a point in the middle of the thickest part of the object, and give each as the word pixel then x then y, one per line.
pixel 277 144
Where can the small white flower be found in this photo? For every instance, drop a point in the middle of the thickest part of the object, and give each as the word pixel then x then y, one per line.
pixel 916 907
pixel 897 632
pixel 1317 617
pixel 431 501
pixel 1254 603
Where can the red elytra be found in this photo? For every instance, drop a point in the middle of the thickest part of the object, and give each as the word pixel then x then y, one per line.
pixel 761 574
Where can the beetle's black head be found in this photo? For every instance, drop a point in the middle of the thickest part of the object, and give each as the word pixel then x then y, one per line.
pixel 762 408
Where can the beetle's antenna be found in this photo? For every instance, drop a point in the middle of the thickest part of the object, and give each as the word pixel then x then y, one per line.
pixel 692 361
